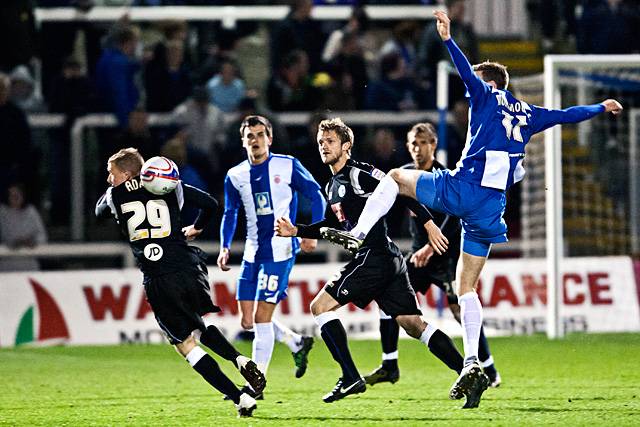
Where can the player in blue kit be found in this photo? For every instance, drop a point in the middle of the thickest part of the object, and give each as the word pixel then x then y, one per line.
pixel 266 185
pixel 499 128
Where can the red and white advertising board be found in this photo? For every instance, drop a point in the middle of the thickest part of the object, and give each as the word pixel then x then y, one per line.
pixel 108 306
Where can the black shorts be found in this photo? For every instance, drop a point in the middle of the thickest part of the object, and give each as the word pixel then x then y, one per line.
pixel 179 300
pixel 378 276
pixel 443 276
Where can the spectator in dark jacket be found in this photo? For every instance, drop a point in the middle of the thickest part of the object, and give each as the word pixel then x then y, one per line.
pixel 19 159
pixel 298 31
pixel 609 26
pixel 166 77
pixel 17 33
pixel 290 89
pixel 394 91
pixel 116 71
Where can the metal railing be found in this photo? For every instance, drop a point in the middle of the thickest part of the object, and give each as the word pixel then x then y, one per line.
pixel 77 184
pixel 227 15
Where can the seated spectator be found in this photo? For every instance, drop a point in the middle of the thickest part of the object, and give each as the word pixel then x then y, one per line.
pixel 23 92
pixel 291 89
pixel 166 77
pixel 218 52
pixel 348 70
pixel 298 31
pixel 608 27
pixel 394 91
pixel 20 227
pixel 72 95
pixel 71 91
pixel 357 24
pixel 116 73
pixel 202 125
pixel 403 41
pixel 19 159
pixel 226 90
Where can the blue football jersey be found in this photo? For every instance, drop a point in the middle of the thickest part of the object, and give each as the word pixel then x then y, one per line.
pixel 268 191
pixel 499 128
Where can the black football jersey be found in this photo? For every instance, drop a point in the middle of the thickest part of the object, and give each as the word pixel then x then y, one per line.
pixel 347 193
pixel 152 225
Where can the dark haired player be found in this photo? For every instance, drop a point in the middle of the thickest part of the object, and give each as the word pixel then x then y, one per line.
pixel 175 274
pixel 376 272
pixel 267 186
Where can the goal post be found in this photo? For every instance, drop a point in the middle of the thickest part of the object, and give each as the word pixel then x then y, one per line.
pixel 553 171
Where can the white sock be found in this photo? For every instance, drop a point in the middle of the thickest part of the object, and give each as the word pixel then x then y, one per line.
pixel 195 355
pixel 426 334
pixel 471 317
pixel 390 356
pixel 287 336
pixel 377 206
pixel 263 345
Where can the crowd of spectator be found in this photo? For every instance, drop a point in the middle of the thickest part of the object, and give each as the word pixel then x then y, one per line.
pixel 193 73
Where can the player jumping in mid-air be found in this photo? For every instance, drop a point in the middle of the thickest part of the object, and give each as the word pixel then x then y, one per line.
pixel 499 128
pixel 425 267
pixel 267 186
pixel 376 272
pixel 175 274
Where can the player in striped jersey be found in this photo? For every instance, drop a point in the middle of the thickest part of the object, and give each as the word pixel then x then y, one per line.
pixel 266 185
pixel 499 128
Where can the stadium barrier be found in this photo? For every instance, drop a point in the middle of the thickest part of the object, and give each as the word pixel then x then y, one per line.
pixel 81 124
pixel 109 307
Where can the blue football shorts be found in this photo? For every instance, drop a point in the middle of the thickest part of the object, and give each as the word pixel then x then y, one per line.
pixel 480 209
pixel 264 281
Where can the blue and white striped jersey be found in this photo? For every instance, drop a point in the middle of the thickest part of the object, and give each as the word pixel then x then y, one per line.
pixel 499 128
pixel 268 191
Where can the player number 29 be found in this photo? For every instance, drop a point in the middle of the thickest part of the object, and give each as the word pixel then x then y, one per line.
pixel 511 129
pixel 156 212
pixel 268 282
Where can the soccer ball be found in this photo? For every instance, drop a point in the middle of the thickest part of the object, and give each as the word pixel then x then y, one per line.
pixel 159 175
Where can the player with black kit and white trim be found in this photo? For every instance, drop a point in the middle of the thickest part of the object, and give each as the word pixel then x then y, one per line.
pixel 376 272
pixel 175 274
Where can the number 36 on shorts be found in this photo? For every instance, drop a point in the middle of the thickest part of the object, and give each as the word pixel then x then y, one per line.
pixel 268 282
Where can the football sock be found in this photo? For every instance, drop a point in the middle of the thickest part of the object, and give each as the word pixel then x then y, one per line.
pixel 210 371
pixel 442 347
pixel 213 338
pixel 287 336
pixel 263 345
pixel 389 332
pixel 377 206
pixel 471 319
pixel 484 354
pixel 335 337
pixel 489 367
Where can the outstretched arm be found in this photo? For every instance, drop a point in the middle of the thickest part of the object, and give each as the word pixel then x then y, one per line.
pixel 473 83
pixel 545 118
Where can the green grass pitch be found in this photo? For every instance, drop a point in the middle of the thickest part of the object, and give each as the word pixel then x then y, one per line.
pixel 582 380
